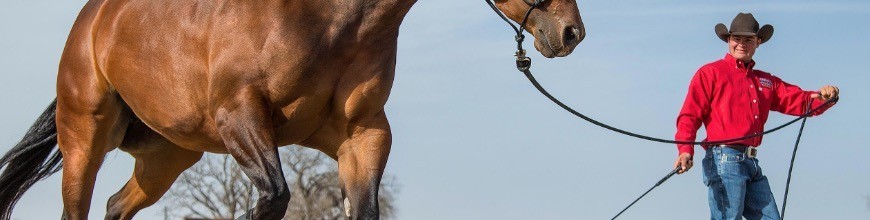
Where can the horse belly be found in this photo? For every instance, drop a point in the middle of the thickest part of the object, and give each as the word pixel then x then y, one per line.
pixel 298 120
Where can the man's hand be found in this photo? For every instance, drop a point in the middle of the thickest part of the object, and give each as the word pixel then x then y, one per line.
pixel 826 93
pixel 684 161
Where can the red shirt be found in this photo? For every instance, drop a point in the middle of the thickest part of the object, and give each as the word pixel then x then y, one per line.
pixel 733 100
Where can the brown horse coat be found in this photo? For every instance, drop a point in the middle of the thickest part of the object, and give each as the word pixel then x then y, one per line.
pixel 166 80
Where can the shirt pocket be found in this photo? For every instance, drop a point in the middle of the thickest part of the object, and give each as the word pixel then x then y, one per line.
pixel 765 99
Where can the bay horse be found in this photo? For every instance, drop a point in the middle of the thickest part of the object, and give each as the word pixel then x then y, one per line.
pixel 166 80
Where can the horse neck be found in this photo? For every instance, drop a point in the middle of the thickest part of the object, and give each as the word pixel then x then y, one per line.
pixel 373 17
pixel 393 8
pixel 390 10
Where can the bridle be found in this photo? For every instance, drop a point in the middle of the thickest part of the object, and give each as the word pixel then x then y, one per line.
pixel 523 62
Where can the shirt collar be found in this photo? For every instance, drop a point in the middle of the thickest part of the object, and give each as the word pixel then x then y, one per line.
pixel 739 63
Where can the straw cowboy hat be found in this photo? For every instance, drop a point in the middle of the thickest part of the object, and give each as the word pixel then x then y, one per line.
pixel 746 25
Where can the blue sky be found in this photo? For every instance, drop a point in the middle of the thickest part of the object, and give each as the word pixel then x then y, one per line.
pixel 474 140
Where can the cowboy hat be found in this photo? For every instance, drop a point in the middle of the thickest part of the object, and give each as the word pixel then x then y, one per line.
pixel 746 25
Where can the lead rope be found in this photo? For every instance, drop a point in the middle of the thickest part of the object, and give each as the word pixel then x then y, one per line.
pixel 791 165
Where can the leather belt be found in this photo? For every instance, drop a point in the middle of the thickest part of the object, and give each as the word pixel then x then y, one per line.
pixel 749 151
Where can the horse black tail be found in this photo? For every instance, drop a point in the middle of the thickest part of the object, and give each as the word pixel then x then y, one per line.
pixel 31 160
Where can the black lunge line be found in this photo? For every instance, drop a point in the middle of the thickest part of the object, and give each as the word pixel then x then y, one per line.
pixel 650 189
pixel 608 127
pixel 791 165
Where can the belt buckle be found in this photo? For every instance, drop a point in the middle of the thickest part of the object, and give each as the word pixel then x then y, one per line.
pixel 751 152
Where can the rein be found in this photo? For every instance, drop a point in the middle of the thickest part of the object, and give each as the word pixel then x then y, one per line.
pixel 524 64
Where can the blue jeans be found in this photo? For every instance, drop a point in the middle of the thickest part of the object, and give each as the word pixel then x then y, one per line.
pixel 736 186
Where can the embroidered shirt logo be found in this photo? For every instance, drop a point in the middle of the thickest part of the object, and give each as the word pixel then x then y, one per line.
pixel 765 82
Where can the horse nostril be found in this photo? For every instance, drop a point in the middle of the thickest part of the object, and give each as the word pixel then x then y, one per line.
pixel 569 35
pixel 572 35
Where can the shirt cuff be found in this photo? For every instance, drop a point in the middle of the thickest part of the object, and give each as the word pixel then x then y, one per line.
pixel 686 148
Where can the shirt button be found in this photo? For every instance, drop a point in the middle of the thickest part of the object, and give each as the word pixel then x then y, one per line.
pixel 756 117
pixel 753 101
pixel 751 86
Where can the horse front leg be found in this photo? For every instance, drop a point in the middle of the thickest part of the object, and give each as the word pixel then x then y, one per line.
pixel 361 163
pixel 246 129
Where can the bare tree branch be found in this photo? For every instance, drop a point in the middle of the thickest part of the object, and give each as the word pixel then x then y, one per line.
pixel 216 188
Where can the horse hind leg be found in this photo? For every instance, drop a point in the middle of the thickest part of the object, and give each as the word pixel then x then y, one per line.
pixel 158 163
pixel 89 125
pixel 91 117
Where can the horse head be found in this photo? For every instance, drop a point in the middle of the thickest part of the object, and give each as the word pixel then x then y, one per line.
pixel 556 24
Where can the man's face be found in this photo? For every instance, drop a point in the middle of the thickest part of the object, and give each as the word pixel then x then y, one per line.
pixel 742 47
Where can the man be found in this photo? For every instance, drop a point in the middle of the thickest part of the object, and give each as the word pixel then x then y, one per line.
pixel 733 100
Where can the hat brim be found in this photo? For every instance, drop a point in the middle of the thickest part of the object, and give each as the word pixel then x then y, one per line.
pixel 764 33
pixel 722 32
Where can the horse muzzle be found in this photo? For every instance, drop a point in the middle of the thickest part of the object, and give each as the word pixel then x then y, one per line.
pixel 559 43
